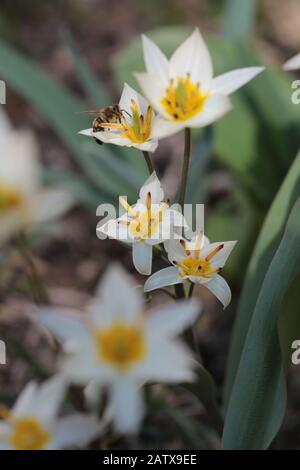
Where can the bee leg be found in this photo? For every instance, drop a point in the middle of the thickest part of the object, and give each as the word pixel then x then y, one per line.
pixel 98 141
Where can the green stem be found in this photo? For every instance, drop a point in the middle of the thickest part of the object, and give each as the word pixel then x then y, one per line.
pixel 148 162
pixel 185 166
pixel 38 291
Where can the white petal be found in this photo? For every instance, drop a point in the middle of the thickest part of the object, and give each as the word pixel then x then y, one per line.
pixel 215 108
pixel 155 61
pixel 76 430
pixel 114 229
pixel 169 362
pixel 171 320
pixel 50 204
pixel 293 63
pixel 229 82
pixel 165 127
pixel 118 298
pixel 66 324
pixel 164 277
pixel 49 398
pixel 128 94
pixel 193 57
pixel 219 287
pixel 21 170
pixel 142 257
pixel 153 89
pixel 152 185
pixel 127 405
pixel 221 257
pixel 25 402
pixel 88 132
pixel 175 250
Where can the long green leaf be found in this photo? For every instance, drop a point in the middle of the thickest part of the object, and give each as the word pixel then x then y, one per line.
pixel 260 261
pixel 257 402
pixel 239 18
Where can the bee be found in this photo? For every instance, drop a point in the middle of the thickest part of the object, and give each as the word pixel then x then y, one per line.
pixel 108 114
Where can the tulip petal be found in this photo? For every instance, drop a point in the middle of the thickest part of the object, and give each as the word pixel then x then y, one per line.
pixel 76 430
pixel 110 306
pixel 221 257
pixel 215 108
pixel 293 63
pixel 153 186
pixel 127 406
pixel 153 89
pixel 219 287
pixel 165 127
pixel 229 82
pixel 142 257
pixel 155 60
pixel 164 277
pixel 171 320
pixel 193 57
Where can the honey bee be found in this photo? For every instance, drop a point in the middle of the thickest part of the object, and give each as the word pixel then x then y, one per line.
pixel 109 114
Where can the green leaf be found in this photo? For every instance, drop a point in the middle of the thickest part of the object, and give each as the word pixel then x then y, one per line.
pixel 93 89
pixel 258 399
pixel 289 321
pixel 263 253
pixel 239 18
pixel 81 189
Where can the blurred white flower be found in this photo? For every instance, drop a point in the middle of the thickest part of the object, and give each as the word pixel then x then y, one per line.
pixel 149 222
pixel 135 128
pixel 23 203
pixel 197 261
pixel 120 346
pixel 182 90
pixel 293 63
pixel 32 423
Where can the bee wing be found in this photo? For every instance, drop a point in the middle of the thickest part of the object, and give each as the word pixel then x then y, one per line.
pixel 91 111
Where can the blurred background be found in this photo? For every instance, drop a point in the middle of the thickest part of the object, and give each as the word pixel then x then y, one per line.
pixel 61 57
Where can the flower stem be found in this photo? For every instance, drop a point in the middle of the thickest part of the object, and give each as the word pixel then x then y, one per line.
pixel 38 291
pixel 185 166
pixel 148 162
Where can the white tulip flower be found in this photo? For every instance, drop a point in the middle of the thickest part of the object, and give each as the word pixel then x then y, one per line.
pixel 32 423
pixel 23 202
pixel 147 223
pixel 197 261
pixel 135 128
pixel 293 63
pixel 120 346
pixel 182 90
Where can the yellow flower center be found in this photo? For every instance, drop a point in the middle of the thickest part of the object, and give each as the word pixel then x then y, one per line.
pixel 120 345
pixel 29 434
pixel 194 265
pixel 144 224
pixel 9 199
pixel 183 99
pixel 138 130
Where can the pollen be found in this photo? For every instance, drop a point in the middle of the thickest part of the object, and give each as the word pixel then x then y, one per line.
pixel 9 199
pixel 29 434
pixel 195 265
pixel 183 99
pixel 121 345
pixel 137 128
